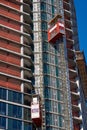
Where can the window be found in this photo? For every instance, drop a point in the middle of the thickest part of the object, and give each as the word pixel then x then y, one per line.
pixel 27 114
pixel 44 26
pixel 43 6
pixel 2 108
pixel 44 16
pixel 86 103
pixel 61 121
pixel 48 105
pixel 27 126
pixel 14 96
pixel 15 111
pixel 2 123
pixel 2 93
pixel 14 124
pixel 44 35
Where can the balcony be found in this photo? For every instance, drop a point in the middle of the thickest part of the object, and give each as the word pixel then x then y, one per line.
pixel 75 96
pixel 28 51
pixel 27 18
pixel 77 120
pixel 70 53
pixel 67 14
pixel 27 40
pixel 72 73
pixel 66 6
pixel 27 1
pixel 75 108
pixel 71 63
pixel 26 8
pixel 68 23
pixel 27 86
pixel 73 85
pixel 28 62
pixel 27 29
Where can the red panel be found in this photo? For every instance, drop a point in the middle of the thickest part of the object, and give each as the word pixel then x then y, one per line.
pixel 14 59
pixel 13 47
pixel 14 84
pixel 9 3
pixel 14 15
pixel 10 83
pixel 4 11
pixel 9 46
pixel 3 44
pixel 9 23
pixel 14 25
pixel 9 13
pixel 10 35
pixel 9 70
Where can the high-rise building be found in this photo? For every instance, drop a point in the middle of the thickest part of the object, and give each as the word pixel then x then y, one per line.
pixel 56 73
pixel 16 64
pixel 49 51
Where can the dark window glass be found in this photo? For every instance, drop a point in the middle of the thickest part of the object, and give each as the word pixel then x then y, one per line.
pixel 2 108
pixel 27 126
pixel 44 35
pixel 44 26
pixel 27 100
pixel 15 111
pixel 86 103
pixel 2 123
pixel 2 93
pixel 43 6
pixel 27 114
pixel 14 96
pixel 14 124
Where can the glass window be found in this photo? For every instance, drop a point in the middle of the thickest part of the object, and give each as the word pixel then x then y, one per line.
pixel 27 126
pixel 27 114
pixel 14 96
pixel 27 100
pixel 43 6
pixel 2 123
pixel 46 80
pixel 44 35
pixel 14 124
pixel 61 121
pixel 2 93
pixel 44 26
pixel 2 108
pixel 48 105
pixel 15 111
pixel 45 57
pixel 47 92
pixel 44 16
pixel 46 68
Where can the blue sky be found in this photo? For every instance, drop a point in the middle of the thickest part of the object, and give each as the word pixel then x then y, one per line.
pixel 81 12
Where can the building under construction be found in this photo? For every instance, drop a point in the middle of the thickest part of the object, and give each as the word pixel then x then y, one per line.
pixel 40 38
pixel 16 64
pixel 56 72
pixel 82 69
